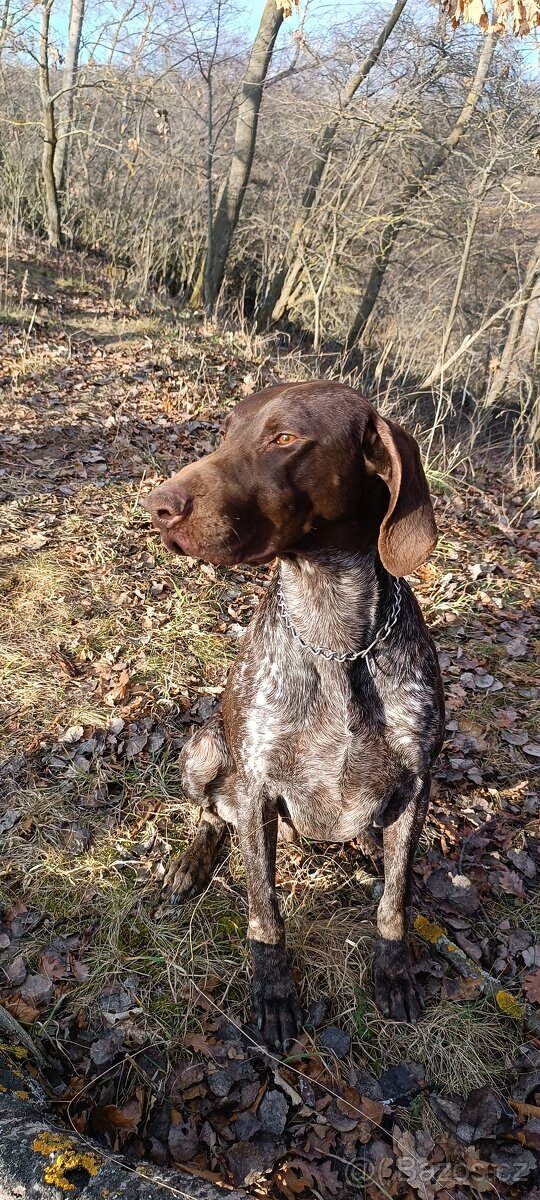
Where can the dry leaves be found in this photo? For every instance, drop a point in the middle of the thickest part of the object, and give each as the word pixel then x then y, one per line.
pixel 531 987
pixel 519 17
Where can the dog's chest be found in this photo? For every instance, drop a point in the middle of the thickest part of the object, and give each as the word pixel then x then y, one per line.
pixel 307 737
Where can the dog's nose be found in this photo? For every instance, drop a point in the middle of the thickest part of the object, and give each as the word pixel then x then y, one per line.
pixel 168 505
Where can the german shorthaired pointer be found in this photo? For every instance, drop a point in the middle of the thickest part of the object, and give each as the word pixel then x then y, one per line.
pixel 333 711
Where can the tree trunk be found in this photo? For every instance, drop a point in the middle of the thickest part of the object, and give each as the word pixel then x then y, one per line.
pixel 521 346
pixel 69 80
pixel 410 192
pixel 438 369
pixel 230 202
pixel 281 286
pixel 49 130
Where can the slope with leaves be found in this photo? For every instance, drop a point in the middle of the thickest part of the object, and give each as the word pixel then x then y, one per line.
pixel 111 655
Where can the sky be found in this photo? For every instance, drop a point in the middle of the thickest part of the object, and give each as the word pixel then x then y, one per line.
pixel 321 17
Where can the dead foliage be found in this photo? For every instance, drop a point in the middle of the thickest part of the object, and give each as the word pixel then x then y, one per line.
pixel 111 655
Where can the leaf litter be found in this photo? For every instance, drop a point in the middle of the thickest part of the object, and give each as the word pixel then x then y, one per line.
pixel 113 655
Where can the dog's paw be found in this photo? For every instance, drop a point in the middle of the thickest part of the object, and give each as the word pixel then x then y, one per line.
pixel 186 877
pixel 275 1004
pixel 396 991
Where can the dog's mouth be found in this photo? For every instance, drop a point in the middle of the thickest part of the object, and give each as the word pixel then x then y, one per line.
pixel 256 550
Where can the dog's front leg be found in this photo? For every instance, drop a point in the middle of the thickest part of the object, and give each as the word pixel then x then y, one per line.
pixel 395 987
pixel 276 1007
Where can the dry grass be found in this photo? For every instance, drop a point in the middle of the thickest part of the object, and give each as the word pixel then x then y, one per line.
pixel 189 962
pixel 103 593
pixel 75 599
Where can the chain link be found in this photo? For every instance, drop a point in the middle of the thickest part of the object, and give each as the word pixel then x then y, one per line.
pixel 348 655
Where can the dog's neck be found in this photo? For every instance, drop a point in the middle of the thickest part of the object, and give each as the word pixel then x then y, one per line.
pixel 335 599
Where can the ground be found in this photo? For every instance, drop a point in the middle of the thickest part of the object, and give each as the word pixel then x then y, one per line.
pixel 111 654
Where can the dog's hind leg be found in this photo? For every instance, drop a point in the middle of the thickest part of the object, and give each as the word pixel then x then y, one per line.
pixel 207 774
pixel 189 874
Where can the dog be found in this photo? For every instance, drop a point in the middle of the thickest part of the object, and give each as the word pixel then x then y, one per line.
pixel 333 711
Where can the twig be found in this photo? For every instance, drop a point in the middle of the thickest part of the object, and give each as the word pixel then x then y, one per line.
pixel 505 1001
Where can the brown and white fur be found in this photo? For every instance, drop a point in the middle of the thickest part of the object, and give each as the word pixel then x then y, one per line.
pixel 312 475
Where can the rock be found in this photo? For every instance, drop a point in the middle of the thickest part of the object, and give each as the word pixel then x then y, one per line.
pixel 366 1084
pixel 245 1126
pixel 104 1051
pixel 25 923
pixel 273 1111
pixel 399 1084
pixel 316 1013
pixel 512 1163
pixel 220 1083
pixel 248 1162
pixel 9 819
pixel 29 1135
pixel 484 1115
pixel 336 1040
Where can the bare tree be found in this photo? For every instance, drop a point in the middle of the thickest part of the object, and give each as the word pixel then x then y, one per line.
pixel 521 346
pixel 49 129
pixel 409 193
pixel 281 285
pixel 472 223
pixel 69 81
pixel 223 225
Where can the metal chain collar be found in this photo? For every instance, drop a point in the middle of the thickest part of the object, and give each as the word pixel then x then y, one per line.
pixel 348 655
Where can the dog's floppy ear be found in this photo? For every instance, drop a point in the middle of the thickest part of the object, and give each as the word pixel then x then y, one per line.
pixel 408 531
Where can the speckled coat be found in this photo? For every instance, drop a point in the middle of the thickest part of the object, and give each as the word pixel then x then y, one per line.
pixel 326 748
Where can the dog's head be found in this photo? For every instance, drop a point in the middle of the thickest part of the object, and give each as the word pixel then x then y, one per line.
pixel 301 467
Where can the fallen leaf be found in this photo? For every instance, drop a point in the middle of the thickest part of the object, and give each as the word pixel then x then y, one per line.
pixel 21 1009
pixel 109 1118
pixel 9 819
pixel 34 541
pixel 183 1138
pixel 531 987
pixel 461 988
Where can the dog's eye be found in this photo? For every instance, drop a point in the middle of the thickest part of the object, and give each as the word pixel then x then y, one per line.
pixel 285 439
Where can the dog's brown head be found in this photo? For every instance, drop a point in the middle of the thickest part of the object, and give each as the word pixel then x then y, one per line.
pixel 301 466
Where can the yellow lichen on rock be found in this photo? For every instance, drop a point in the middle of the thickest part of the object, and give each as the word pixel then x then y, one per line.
pixel 18 1074
pixel 428 929
pixel 68 1158
pixel 48 1142
pixel 22 1094
pixel 508 1004
pixel 18 1051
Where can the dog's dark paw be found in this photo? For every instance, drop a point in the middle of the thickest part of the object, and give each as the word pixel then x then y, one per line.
pixel 187 876
pixel 395 987
pixel 276 1007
